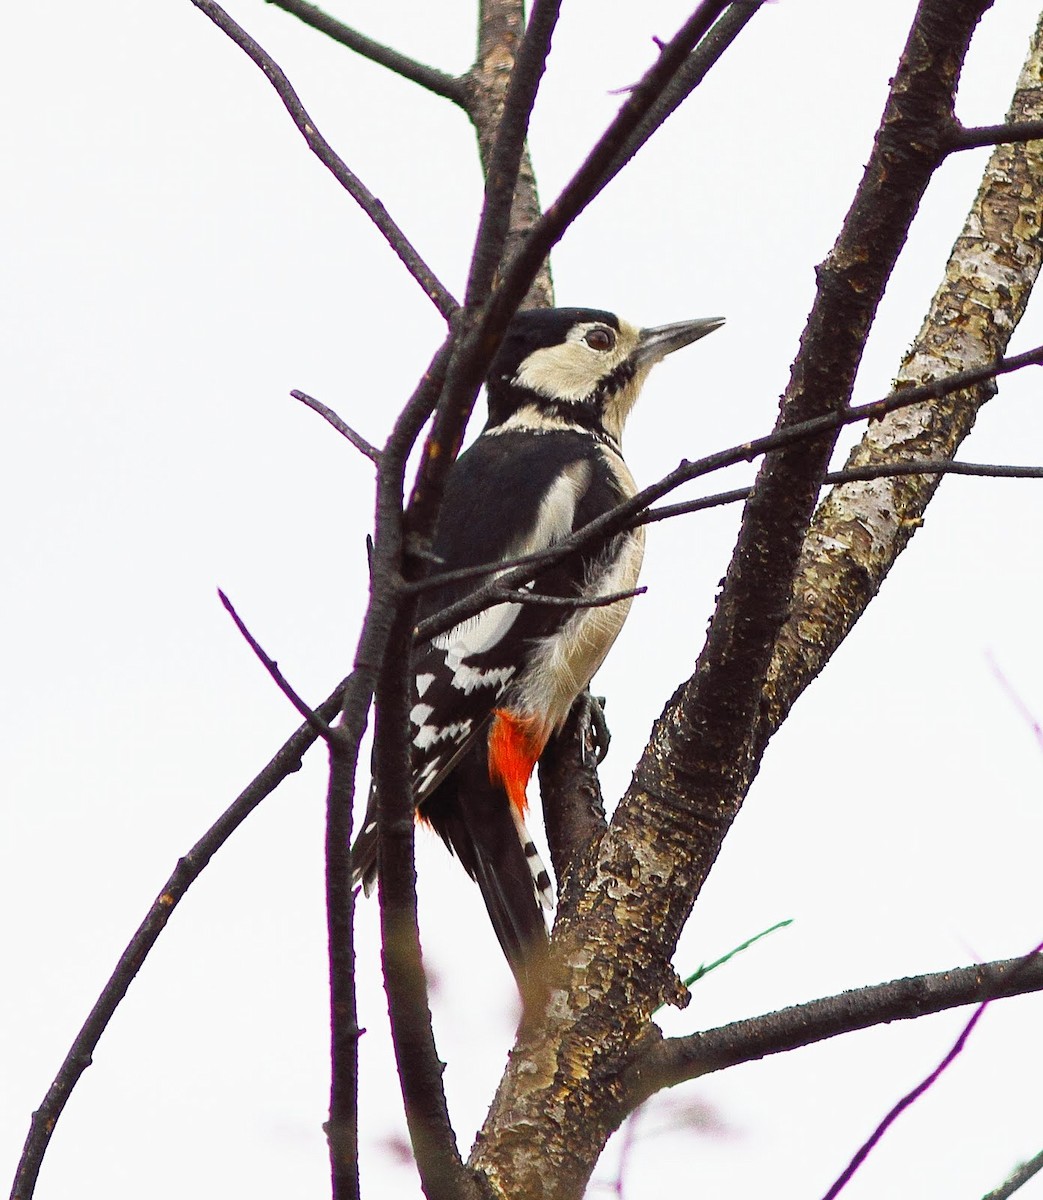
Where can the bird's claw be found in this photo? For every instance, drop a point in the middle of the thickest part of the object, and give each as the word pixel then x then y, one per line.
pixel 596 734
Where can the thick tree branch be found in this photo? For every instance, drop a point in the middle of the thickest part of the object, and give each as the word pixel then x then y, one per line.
pixel 501 25
pixel 365 199
pixel 614 938
pixel 504 160
pixel 860 529
pixel 675 1060
pixel 439 82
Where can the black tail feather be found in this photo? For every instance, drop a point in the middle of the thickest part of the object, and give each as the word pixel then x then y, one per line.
pixel 473 817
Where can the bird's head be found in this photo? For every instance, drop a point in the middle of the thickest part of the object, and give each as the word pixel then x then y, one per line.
pixel 578 367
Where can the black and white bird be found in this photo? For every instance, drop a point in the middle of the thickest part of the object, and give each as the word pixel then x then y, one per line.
pixel 490 693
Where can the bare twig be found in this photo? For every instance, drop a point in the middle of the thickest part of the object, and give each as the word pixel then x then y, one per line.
pixel 272 667
pixel 597 169
pixel 439 82
pixel 695 68
pixel 189 867
pixel 341 426
pixel 675 1060
pixel 365 199
pixel 1017 1179
pixel 960 137
pixel 1012 694
pixel 928 466
pixel 521 596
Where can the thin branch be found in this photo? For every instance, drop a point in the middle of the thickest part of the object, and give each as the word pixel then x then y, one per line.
pixel 439 82
pixel 442 1171
pixel 621 516
pixel 272 667
pixel 341 426
pixel 597 169
pixel 928 466
pixel 365 199
pixel 905 1102
pixel 342 1128
pixel 960 137
pixel 387 624
pixel 1026 713
pixel 676 1060
pixel 915 1093
pixel 705 55
pixel 521 596
pixel 570 791
pixel 1017 1179
pixel 188 869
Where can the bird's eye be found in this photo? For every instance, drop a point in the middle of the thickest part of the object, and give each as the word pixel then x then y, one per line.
pixel 600 338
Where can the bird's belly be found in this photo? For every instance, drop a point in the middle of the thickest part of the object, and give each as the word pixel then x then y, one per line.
pixel 565 661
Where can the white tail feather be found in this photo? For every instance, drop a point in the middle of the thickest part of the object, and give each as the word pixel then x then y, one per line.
pixel 541 880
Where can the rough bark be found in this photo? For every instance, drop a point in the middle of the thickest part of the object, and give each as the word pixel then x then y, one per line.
pixel 562 1096
pixel 501 25
pixel 861 528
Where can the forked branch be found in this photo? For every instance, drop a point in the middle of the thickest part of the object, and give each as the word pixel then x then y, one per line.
pixel 365 199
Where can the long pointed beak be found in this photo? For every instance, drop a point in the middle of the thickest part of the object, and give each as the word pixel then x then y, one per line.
pixel 656 344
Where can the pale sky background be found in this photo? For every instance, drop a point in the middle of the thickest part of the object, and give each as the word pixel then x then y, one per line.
pixel 174 262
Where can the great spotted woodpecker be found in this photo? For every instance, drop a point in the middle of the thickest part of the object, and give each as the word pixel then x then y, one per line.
pixel 489 694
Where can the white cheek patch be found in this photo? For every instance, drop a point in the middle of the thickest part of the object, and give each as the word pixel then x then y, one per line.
pixel 570 371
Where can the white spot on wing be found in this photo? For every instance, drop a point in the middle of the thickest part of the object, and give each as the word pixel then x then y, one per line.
pixel 420 713
pixel 423 682
pixel 432 735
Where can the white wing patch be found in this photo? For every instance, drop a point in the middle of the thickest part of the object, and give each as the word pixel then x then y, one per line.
pixel 476 635
pixel 557 512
